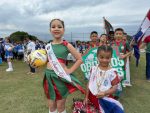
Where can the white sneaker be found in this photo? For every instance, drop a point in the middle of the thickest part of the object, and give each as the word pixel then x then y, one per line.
pixel 9 69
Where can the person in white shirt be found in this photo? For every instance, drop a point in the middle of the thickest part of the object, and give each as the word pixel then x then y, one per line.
pixel 30 48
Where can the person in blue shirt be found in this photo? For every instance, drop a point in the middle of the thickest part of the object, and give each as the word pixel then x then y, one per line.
pixel 20 51
pixel 8 47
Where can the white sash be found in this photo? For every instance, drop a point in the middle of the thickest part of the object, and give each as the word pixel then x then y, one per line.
pixel 56 66
pixel 93 87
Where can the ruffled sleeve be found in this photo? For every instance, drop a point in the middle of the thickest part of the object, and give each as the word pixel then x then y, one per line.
pixel 65 43
pixel 114 78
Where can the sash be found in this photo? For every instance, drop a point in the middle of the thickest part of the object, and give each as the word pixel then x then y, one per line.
pixel 56 66
pixel 93 87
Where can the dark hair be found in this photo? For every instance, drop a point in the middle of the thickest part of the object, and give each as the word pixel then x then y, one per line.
pixel 93 32
pixel 124 33
pixel 119 29
pixel 111 32
pixel 62 22
pixel 26 38
pixel 105 48
pixel 8 38
pixel 103 34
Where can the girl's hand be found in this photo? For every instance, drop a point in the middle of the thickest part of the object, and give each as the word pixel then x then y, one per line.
pixel 85 101
pixel 122 56
pixel 132 43
pixel 101 95
pixel 68 71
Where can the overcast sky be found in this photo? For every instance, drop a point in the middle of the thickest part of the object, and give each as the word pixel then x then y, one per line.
pixel 80 16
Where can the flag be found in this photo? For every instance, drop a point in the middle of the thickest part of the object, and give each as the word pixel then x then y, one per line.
pixel 147 34
pixel 108 27
pixel 110 105
pixel 139 35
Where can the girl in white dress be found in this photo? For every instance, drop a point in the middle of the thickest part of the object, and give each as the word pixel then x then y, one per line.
pixel 103 83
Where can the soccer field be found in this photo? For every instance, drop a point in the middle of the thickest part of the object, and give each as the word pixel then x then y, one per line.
pixel 22 93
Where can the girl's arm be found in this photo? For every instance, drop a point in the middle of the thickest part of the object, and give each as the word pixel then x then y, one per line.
pixel 87 91
pixel 126 55
pixel 77 56
pixel 108 92
pixel 142 45
pixel 87 94
pixel 111 90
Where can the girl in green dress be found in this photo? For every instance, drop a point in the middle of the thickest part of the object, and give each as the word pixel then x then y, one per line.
pixel 56 88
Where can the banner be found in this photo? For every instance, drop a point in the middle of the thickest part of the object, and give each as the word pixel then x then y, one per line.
pixel 90 59
pixel 127 82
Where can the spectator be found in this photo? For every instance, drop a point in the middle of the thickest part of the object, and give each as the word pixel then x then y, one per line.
pixel 30 48
pixel 8 53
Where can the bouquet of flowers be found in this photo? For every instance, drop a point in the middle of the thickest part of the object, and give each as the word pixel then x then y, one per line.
pixel 79 107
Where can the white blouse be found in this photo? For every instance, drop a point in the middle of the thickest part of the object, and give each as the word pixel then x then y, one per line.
pixel 101 80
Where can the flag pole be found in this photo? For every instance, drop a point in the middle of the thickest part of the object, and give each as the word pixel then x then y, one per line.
pixel 104 25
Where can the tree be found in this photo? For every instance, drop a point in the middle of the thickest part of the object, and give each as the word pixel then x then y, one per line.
pixel 20 36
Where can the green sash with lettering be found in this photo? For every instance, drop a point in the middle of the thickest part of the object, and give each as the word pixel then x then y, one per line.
pixel 90 59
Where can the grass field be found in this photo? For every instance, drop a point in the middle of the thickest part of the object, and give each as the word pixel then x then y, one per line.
pixel 22 93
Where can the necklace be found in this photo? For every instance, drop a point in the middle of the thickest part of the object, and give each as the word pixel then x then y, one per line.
pixel 100 78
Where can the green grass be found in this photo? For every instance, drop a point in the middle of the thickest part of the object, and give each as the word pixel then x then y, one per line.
pixel 22 93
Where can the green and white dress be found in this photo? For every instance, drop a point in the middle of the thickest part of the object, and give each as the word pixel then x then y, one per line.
pixel 55 87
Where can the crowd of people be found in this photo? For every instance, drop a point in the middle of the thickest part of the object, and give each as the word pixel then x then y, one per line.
pixel 10 50
pixel 19 50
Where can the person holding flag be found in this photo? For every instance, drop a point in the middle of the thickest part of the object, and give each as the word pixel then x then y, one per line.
pixel 103 83
pixel 146 42
pixel 137 38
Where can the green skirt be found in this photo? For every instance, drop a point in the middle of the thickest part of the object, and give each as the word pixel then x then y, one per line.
pixel 57 88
